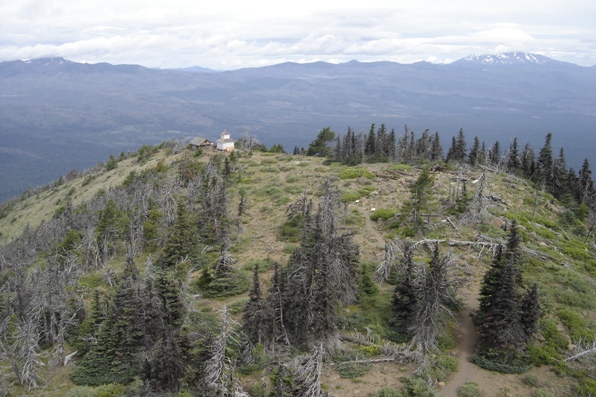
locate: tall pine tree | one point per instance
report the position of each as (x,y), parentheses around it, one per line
(507,316)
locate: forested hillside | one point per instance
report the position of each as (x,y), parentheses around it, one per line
(364,264)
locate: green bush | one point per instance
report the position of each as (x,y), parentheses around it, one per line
(515,365)
(352,370)
(291,230)
(545,233)
(356,172)
(265,264)
(552,336)
(235,282)
(382,213)
(349,196)
(293,189)
(531,380)
(577,325)
(399,167)
(370,351)
(109,390)
(544,355)
(258,391)
(586,387)
(91,281)
(82,391)
(579,254)
(417,387)
(470,389)
(440,367)
(572,298)
(388,392)
(355,218)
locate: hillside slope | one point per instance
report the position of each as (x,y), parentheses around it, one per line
(132,207)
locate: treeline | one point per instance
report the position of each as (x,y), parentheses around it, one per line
(546,169)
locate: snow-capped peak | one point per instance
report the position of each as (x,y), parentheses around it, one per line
(507,58)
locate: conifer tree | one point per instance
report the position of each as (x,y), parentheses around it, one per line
(323,317)
(452,152)
(495,154)
(114,358)
(436,148)
(474,152)
(274,310)
(322,273)
(545,164)
(507,317)
(586,184)
(181,244)
(460,152)
(382,148)
(421,192)
(527,161)
(390,150)
(530,307)
(319,147)
(370,147)
(113,223)
(513,162)
(254,312)
(404,302)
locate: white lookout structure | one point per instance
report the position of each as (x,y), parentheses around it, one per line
(225,143)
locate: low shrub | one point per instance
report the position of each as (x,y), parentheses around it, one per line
(355,173)
(388,392)
(382,213)
(577,325)
(470,389)
(586,387)
(531,380)
(440,368)
(573,298)
(352,370)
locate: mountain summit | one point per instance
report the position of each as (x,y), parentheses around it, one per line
(507,59)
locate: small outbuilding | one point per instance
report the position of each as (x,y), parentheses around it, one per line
(225,143)
(200,143)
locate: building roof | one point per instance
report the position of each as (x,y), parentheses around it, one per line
(198,141)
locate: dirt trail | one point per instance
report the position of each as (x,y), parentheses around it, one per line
(372,239)
(466,344)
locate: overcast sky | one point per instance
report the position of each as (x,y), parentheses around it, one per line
(228,34)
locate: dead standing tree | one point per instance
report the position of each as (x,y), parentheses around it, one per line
(220,369)
(478,208)
(436,299)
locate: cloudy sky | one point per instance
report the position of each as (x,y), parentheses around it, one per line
(230,34)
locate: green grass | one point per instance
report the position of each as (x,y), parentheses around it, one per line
(356,172)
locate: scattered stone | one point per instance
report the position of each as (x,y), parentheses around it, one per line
(441,384)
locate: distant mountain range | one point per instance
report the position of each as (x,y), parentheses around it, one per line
(56,115)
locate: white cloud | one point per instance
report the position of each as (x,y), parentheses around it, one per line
(228,34)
